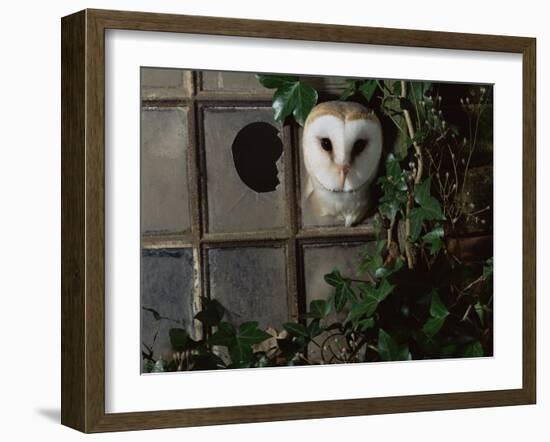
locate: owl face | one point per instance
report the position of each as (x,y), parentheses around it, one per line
(342,145)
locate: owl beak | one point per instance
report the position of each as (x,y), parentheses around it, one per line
(343,174)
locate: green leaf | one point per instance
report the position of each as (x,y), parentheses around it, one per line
(314,328)
(437,308)
(488,268)
(432,326)
(368,88)
(225,335)
(372,296)
(390,350)
(430,205)
(416,218)
(319,308)
(295,98)
(419,89)
(340,299)
(158,367)
(422,191)
(241,355)
(370,262)
(439,313)
(250,334)
(435,239)
(178,339)
(393,168)
(365,324)
(275,81)
(212,312)
(389,209)
(296,329)
(383,290)
(432,209)
(334,278)
(480,312)
(349,90)
(474,350)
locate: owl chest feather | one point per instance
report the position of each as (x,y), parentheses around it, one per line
(347,206)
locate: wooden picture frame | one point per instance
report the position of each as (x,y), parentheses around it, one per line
(83,220)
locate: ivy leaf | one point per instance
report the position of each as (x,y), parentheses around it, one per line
(435,239)
(422,191)
(250,334)
(319,309)
(430,205)
(389,209)
(314,328)
(437,308)
(158,367)
(432,209)
(225,335)
(340,300)
(416,218)
(432,326)
(488,268)
(393,168)
(383,290)
(178,339)
(474,350)
(370,262)
(480,311)
(372,296)
(365,324)
(438,313)
(390,350)
(368,88)
(334,278)
(419,89)
(212,312)
(275,81)
(349,90)
(296,98)
(295,329)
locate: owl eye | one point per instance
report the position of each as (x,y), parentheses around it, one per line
(359,147)
(326,144)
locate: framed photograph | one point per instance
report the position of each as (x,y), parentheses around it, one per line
(266,221)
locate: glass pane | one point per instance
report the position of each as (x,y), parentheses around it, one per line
(166,297)
(244,170)
(232,82)
(162,84)
(164,192)
(251,284)
(318,261)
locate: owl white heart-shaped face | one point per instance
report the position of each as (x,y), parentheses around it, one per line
(342,145)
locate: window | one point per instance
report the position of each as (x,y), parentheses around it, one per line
(221,217)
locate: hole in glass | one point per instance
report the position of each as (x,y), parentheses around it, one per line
(256,149)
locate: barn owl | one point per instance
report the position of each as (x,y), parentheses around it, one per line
(342,145)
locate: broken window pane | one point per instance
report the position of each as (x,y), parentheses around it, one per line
(244,170)
(251,284)
(162,84)
(167,295)
(164,192)
(318,261)
(215,81)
